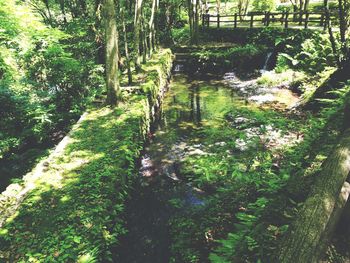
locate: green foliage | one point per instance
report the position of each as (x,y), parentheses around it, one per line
(260,227)
(271,79)
(75,211)
(314,56)
(267,5)
(47,78)
(246,58)
(181,35)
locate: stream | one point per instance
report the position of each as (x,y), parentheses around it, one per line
(191,107)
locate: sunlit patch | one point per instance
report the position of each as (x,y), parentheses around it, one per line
(65,198)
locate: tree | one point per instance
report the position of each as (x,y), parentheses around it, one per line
(314,226)
(126,46)
(342,55)
(137,31)
(193,16)
(113,91)
(242,7)
(311,232)
(151,24)
(344,10)
(267,5)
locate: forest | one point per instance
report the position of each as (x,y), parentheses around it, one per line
(170,131)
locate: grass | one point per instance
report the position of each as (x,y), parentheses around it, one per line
(271,78)
(74,213)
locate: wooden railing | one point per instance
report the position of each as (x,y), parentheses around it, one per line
(283,19)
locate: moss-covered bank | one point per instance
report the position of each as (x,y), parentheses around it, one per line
(72,205)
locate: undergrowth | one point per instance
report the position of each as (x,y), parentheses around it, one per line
(75,211)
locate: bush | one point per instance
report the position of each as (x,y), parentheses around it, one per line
(314,56)
(47,77)
(267,5)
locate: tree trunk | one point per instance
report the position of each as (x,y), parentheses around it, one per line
(312,229)
(63,11)
(196,22)
(295,10)
(48,11)
(301,5)
(218,7)
(144,40)
(152,27)
(137,29)
(246,7)
(126,47)
(306,5)
(193,15)
(190,17)
(111,52)
(343,28)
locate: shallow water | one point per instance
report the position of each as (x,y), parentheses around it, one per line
(190,107)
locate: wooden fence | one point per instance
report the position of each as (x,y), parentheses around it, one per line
(258,19)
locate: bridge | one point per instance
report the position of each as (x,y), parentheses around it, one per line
(314,20)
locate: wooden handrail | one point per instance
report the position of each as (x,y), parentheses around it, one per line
(266,18)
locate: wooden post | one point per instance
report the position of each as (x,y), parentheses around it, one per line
(322,20)
(251,20)
(286,19)
(218,20)
(208,20)
(301,13)
(326,21)
(236,17)
(268,18)
(282,18)
(203,20)
(306,19)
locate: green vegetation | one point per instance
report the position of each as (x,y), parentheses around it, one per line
(75,211)
(46,81)
(226,161)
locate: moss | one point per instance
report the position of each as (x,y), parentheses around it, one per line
(75,210)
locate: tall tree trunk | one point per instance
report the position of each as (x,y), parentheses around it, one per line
(193,15)
(63,11)
(113,91)
(330,31)
(301,9)
(295,9)
(48,11)
(196,22)
(137,31)
(306,5)
(126,47)
(144,40)
(152,27)
(101,52)
(218,7)
(343,27)
(246,7)
(155,39)
(190,17)
(315,223)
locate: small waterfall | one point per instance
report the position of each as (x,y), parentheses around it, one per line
(179,68)
(266,64)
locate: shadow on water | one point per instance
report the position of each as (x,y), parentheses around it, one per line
(160,191)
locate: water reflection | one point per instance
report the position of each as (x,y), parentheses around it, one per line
(195,100)
(189,107)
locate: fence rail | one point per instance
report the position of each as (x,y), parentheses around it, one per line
(284,19)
